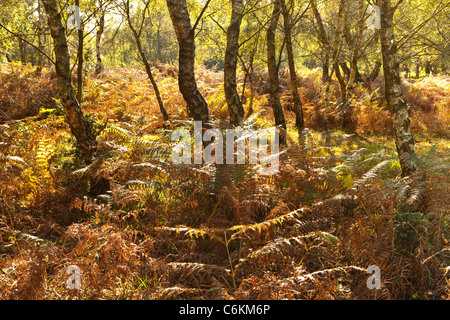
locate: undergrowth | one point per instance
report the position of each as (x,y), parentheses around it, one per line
(161,231)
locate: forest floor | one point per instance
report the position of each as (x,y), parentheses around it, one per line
(154,230)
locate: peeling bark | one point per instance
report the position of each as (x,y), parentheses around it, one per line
(98,40)
(80,64)
(393,92)
(235,107)
(185,33)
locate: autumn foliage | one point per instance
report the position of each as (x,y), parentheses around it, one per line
(153,230)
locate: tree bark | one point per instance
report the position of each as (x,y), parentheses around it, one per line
(273,69)
(347,122)
(393,92)
(250,72)
(79,126)
(342,84)
(80,64)
(324,40)
(299,122)
(40,44)
(326,67)
(348,125)
(374,73)
(417,70)
(98,40)
(252,83)
(23,51)
(235,107)
(428,67)
(185,33)
(357,45)
(159,42)
(327,73)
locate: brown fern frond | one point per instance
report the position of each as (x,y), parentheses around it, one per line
(302,227)
(175,292)
(265,226)
(328,273)
(193,233)
(371,174)
(276,250)
(306,283)
(188,293)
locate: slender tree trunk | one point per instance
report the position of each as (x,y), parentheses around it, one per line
(342,85)
(273,69)
(181,21)
(235,107)
(299,122)
(358,77)
(417,70)
(159,44)
(79,127)
(427,67)
(338,35)
(98,40)
(357,45)
(348,124)
(148,70)
(23,52)
(326,67)
(324,41)
(374,73)
(252,84)
(40,44)
(327,107)
(393,92)
(327,74)
(80,59)
(249,74)
(80,64)
(244,86)
(345,69)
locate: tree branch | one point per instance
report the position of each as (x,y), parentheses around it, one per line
(200,16)
(27,42)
